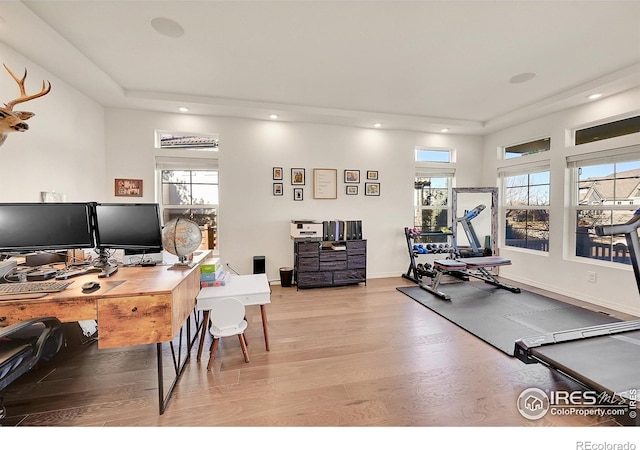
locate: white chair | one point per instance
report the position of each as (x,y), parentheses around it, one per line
(227,319)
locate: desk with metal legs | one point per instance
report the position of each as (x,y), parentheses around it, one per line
(134,306)
(249,289)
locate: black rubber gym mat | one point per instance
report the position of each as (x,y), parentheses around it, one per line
(500,317)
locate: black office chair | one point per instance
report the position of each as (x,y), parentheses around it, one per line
(25,343)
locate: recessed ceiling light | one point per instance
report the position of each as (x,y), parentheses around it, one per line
(183,109)
(595,96)
(273,116)
(444,130)
(167,27)
(377,125)
(522,77)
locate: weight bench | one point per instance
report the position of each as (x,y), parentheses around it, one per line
(478,267)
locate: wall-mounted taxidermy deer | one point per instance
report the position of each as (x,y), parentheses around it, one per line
(11,120)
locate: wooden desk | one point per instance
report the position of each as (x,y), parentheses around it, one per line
(134,306)
(249,289)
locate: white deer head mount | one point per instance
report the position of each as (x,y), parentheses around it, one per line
(11,120)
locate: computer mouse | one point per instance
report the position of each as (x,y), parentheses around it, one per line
(90,286)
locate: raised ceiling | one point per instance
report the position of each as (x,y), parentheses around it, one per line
(470,66)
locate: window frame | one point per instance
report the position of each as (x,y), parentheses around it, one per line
(449,151)
(607,156)
(522,170)
(434,169)
(192,160)
(525,144)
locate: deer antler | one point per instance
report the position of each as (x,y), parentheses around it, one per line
(23,95)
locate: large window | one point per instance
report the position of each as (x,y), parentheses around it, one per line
(192,194)
(606,192)
(526,206)
(432,192)
(187,180)
(432,202)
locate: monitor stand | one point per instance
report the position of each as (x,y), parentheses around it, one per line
(106,268)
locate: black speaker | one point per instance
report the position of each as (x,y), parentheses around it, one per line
(259,264)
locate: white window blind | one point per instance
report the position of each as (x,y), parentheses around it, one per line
(609,156)
(176,163)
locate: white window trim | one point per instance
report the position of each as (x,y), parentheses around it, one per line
(573,162)
(520,168)
(186,163)
(428,171)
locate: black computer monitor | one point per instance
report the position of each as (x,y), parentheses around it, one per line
(126,226)
(29,227)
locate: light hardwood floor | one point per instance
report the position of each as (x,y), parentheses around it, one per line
(364,355)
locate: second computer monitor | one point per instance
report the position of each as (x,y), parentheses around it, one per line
(128,226)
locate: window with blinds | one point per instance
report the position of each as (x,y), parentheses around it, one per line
(433,182)
(188,185)
(605,191)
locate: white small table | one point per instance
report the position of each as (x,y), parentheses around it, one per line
(249,289)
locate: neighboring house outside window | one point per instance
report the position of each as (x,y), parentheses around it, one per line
(606,193)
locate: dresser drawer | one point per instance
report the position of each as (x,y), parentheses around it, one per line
(308,248)
(144,320)
(308,264)
(314,279)
(349,276)
(333,255)
(356,247)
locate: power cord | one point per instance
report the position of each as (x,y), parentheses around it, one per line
(232,269)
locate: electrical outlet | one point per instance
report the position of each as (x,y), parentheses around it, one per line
(592,277)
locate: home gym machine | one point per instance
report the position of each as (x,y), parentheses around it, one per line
(476,267)
(605,358)
(465,262)
(443,241)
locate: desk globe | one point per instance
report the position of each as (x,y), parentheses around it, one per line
(181,237)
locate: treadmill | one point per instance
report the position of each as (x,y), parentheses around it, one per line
(604,358)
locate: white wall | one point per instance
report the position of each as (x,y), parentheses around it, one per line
(559,271)
(64,149)
(77,148)
(252,221)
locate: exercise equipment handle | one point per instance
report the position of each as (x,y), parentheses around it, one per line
(623,228)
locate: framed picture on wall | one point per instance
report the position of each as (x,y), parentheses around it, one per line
(277,189)
(325,183)
(277,173)
(298,194)
(352,190)
(372,174)
(297,176)
(372,189)
(351,176)
(125,187)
